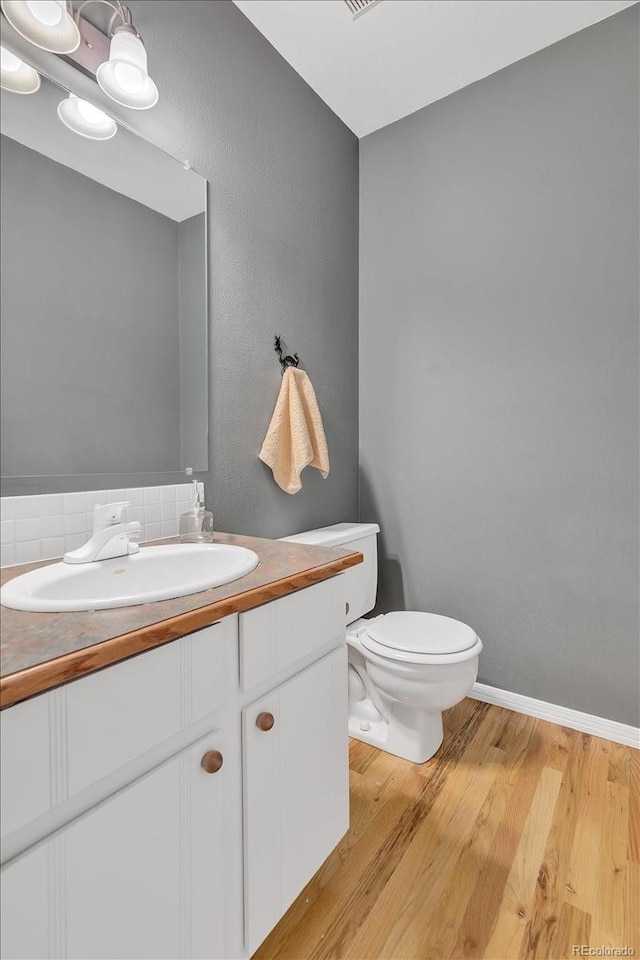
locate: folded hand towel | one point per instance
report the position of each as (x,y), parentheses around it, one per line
(295,438)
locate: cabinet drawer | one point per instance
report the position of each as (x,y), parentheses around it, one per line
(277,634)
(68,739)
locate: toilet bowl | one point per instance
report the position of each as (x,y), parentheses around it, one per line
(405,667)
(408,688)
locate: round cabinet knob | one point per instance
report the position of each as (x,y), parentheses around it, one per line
(265,721)
(212,761)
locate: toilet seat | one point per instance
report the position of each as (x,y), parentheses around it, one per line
(416,637)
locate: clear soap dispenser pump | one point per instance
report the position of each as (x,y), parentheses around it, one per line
(196,526)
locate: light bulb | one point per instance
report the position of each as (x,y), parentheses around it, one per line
(16,76)
(130,78)
(124,77)
(46,23)
(90,113)
(85,119)
(48,12)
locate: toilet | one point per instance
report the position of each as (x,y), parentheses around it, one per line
(405,667)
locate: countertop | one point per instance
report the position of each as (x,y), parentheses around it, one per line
(39,651)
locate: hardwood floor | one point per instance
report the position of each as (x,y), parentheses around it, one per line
(520,839)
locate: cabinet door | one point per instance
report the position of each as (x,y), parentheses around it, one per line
(296,788)
(140,875)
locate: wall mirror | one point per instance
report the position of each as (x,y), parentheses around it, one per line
(104,302)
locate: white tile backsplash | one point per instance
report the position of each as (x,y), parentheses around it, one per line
(167,494)
(7,531)
(45,527)
(7,554)
(52,526)
(49,504)
(74,502)
(169,528)
(7,509)
(153,531)
(27,507)
(168,510)
(152,494)
(52,547)
(75,523)
(152,512)
(28,529)
(28,552)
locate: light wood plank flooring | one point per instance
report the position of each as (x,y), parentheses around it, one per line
(520,839)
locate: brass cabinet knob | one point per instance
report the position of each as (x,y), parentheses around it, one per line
(212,761)
(265,721)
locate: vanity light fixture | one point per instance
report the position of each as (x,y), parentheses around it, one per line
(122,74)
(85,119)
(16,75)
(124,77)
(118,58)
(49,24)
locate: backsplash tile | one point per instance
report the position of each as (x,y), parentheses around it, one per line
(28,529)
(45,527)
(76,523)
(74,502)
(28,552)
(7,531)
(7,554)
(52,526)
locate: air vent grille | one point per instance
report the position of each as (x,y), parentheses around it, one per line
(359,7)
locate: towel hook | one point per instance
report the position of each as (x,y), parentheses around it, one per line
(285,361)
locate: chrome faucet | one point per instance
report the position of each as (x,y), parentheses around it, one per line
(111,536)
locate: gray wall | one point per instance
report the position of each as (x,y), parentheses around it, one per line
(192,272)
(499,366)
(283,240)
(90,335)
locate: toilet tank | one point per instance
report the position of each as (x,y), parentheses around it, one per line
(361,581)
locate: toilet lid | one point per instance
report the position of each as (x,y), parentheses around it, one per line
(416,632)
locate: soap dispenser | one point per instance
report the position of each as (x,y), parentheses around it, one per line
(196,526)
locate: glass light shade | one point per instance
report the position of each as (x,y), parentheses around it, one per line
(124,77)
(16,75)
(85,119)
(45,23)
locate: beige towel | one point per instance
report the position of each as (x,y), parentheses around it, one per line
(295,438)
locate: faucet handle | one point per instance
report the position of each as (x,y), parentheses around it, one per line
(107,514)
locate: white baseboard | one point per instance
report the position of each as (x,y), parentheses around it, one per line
(575,719)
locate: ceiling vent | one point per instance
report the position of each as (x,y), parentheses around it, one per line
(358,7)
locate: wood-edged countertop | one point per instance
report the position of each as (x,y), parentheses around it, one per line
(39,651)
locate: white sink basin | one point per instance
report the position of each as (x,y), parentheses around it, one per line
(155,573)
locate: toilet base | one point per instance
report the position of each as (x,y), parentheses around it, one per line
(409,734)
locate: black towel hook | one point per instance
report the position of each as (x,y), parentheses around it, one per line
(285,361)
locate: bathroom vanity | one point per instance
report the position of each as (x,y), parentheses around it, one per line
(169,789)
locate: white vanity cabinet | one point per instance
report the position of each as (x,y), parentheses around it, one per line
(174,804)
(138,875)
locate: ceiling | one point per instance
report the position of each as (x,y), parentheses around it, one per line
(400,55)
